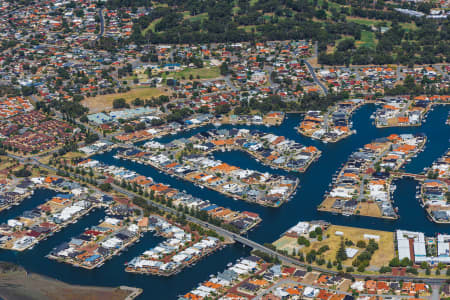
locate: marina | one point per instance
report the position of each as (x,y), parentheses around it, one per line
(96,245)
(314,183)
(249,185)
(183,247)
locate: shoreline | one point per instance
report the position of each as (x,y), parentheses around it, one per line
(17,283)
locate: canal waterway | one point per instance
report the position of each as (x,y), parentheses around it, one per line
(313,185)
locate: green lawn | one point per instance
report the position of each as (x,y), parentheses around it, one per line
(368,22)
(151,26)
(408,26)
(247,28)
(367,39)
(204,73)
(199,17)
(373,22)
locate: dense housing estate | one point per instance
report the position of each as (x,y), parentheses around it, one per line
(169,84)
(99,243)
(238,221)
(434,193)
(32,226)
(181,249)
(248,185)
(363,185)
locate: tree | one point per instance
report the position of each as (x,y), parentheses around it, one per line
(346,44)
(303,241)
(120,103)
(361,244)
(84,119)
(223,109)
(140,126)
(224,70)
(23,172)
(91,138)
(406,262)
(106,187)
(138,102)
(128,128)
(385,269)
(341,255)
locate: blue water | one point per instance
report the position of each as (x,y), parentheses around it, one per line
(39,197)
(313,184)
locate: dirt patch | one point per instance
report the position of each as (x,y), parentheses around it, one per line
(105,102)
(17,284)
(287,243)
(327,204)
(369,209)
(310,278)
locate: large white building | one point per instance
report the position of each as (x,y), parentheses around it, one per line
(412,245)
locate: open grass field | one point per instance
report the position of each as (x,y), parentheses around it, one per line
(248,28)
(379,258)
(362,21)
(374,22)
(367,39)
(203,73)
(199,17)
(151,26)
(408,26)
(186,16)
(105,102)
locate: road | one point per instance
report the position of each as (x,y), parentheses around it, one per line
(273,85)
(316,80)
(436,291)
(257,246)
(230,84)
(102,23)
(311,69)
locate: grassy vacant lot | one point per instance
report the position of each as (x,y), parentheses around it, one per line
(204,73)
(105,102)
(369,209)
(380,258)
